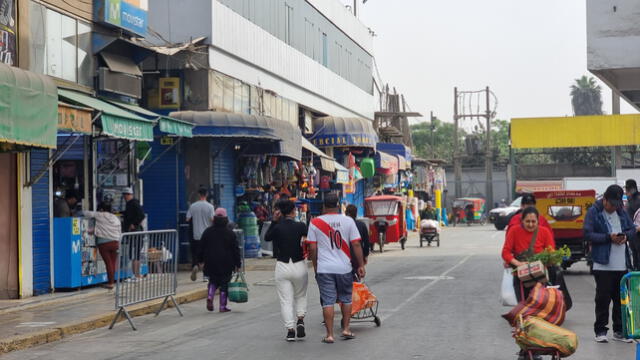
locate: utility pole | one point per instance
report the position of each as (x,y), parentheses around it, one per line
(489,156)
(431,144)
(457,167)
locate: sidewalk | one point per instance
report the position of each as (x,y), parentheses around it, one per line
(28,322)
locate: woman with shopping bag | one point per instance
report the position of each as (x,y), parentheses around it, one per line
(221,257)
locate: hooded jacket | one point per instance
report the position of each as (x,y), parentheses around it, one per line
(596,231)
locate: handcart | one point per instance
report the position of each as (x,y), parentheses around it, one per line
(533,352)
(364,305)
(630,301)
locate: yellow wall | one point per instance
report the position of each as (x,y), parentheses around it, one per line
(576,131)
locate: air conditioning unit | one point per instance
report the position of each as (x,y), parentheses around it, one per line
(119,83)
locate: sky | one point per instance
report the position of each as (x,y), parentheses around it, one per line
(527,52)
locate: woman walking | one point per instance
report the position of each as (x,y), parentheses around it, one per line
(221,257)
(288,237)
(107,232)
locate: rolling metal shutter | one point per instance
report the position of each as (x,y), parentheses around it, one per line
(223,175)
(41,225)
(76,151)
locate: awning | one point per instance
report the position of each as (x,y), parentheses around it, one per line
(326,162)
(343,132)
(170,51)
(74,118)
(342,174)
(117,45)
(167,124)
(386,164)
(402,163)
(28,108)
(121,64)
(232,125)
(397,149)
(116,122)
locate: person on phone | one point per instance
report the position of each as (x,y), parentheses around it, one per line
(609,229)
(288,236)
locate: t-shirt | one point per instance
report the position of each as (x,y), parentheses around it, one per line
(201,214)
(617,257)
(333,234)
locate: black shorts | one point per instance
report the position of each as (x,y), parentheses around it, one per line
(135,248)
(196,252)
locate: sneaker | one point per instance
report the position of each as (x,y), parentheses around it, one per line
(205,279)
(194,273)
(300,329)
(617,336)
(602,338)
(291,335)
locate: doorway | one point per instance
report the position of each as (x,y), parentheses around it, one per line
(197,155)
(9,286)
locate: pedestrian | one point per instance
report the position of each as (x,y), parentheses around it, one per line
(331,237)
(132,221)
(428,213)
(524,241)
(107,232)
(609,230)
(288,237)
(221,257)
(200,214)
(363,230)
(633,204)
(528,200)
(65,207)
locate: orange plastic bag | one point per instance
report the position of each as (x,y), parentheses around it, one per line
(362,298)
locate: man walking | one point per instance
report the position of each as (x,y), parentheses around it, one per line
(200,214)
(609,229)
(132,221)
(331,238)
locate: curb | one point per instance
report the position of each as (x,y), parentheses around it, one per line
(25,341)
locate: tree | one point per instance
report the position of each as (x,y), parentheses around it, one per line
(436,142)
(586,97)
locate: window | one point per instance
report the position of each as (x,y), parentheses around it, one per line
(227,102)
(60,46)
(237,96)
(246,99)
(217,90)
(324,49)
(288,24)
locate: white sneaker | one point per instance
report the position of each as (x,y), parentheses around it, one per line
(602,338)
(617,336)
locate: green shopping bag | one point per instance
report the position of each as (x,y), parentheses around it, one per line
(238,289)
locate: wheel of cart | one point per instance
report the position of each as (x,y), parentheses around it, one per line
(365,305)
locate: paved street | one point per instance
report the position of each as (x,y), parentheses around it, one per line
(436,303)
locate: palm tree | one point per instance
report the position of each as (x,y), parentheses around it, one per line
(586,97)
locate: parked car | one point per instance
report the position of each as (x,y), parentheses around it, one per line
(501,216)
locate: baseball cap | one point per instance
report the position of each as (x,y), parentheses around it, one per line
(127,190)
(221,212)
(528,199)
(613,194)
(331,200)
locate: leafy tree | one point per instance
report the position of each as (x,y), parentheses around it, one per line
(586,96)
(436,142)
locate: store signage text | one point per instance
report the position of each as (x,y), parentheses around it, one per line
(74,119)
(123,14)
(344,140)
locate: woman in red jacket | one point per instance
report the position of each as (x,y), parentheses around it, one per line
(516,247)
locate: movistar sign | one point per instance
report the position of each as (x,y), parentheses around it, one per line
(123,14)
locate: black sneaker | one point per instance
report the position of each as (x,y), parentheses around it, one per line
(291,335)
(300,328)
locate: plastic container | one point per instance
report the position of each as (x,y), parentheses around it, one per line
(248,222)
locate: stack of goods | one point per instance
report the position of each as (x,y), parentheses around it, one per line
(248,222)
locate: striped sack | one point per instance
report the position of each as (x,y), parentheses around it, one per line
(537,333)
(543,302)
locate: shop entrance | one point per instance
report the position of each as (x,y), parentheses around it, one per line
(197,154)
(9,287)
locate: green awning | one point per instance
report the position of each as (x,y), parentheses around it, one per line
(166,124)
(28,108)
(116,122)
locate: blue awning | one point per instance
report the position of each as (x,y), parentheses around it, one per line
(343,132)
(396,149)
(232,125)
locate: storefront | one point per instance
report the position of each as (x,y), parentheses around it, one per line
(28,124)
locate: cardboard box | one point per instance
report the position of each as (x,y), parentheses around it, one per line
(533,272)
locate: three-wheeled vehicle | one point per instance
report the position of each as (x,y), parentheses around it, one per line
(565,210)
(469,210)
(387,220)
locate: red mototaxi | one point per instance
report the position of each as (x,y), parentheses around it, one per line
(387,220)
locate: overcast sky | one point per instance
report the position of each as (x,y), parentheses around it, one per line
(528,52)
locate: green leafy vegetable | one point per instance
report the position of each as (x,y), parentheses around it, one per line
(551,257)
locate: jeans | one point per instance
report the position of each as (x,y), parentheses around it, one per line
(291,285)
(607,291)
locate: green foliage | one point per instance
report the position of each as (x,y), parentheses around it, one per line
(586,96)
(551,257)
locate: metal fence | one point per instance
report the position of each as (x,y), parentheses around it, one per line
(146,269)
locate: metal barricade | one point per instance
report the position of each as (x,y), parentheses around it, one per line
(146,269)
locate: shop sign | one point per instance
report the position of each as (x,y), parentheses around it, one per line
(129,15)
(166,140)
(76,120)
(127,129)
(8,54)
(364,140)
(342,177)
(175,127)
(169,93)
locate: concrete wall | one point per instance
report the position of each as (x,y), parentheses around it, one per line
(613,34)
(473,185)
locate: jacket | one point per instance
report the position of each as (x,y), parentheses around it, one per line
(107,225)
(133,215)
(220,249)
(519,240)
(596,231)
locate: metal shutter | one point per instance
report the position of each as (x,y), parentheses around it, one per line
(76,151)
(41,224)
(223,175)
